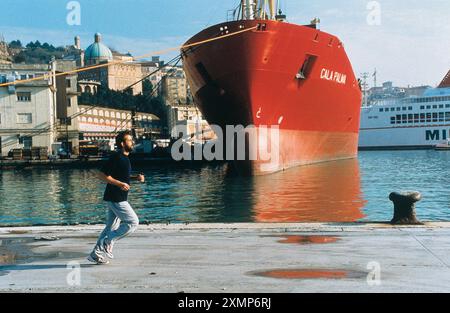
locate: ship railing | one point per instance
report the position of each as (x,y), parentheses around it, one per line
(384,102)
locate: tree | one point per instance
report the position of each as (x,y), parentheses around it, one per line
(19,59)
(15,44)
(147,87)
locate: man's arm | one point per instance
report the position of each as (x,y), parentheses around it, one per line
(109,180)
(139,178)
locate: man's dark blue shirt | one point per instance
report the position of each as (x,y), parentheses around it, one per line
(118,167)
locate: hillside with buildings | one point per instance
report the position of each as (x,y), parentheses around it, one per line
(91,106)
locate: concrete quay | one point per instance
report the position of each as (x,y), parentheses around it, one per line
(231,258)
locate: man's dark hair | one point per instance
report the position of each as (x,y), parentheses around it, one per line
(121,138)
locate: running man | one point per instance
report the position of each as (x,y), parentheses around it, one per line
(122,220)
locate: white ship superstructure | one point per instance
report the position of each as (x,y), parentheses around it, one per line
(411,123)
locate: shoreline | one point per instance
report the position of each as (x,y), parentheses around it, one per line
(307,226)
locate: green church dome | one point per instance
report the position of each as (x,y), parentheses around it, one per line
(97,52)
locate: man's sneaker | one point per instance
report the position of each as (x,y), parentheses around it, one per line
(97,259)
(107,248)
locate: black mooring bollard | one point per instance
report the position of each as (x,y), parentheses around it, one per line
(405,208)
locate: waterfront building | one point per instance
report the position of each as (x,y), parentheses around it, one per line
(390,92)
(27,110)
(151,70)
(98,123)
(174,87)
(181,109)
(67,108)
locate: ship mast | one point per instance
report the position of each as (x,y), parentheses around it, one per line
(248,9)
(256,9)
(272,9)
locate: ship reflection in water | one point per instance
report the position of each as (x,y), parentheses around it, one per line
(327,192)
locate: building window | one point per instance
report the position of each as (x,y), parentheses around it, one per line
(26,141)
(68,83)
(24,96)
(24,118)
(422,107)
(69,102)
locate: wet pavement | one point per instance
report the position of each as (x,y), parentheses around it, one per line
(231,258)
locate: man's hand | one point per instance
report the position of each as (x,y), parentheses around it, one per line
(141,178)
(124,187)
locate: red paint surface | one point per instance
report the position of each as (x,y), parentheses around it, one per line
(250,80)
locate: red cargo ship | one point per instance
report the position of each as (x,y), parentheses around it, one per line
(278,74)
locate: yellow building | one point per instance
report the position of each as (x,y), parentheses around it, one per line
(116,76)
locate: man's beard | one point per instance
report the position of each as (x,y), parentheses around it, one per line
(128,149)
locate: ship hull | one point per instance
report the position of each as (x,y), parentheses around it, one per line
(251,79)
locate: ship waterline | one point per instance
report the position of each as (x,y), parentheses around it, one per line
(281,149)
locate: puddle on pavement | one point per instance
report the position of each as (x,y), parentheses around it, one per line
(15,251)
(306,240)
(310,274)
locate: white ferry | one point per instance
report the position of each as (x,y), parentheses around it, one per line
(411,123)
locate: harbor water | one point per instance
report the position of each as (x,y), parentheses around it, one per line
(341,191)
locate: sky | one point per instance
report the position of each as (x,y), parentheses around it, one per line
(407,41)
